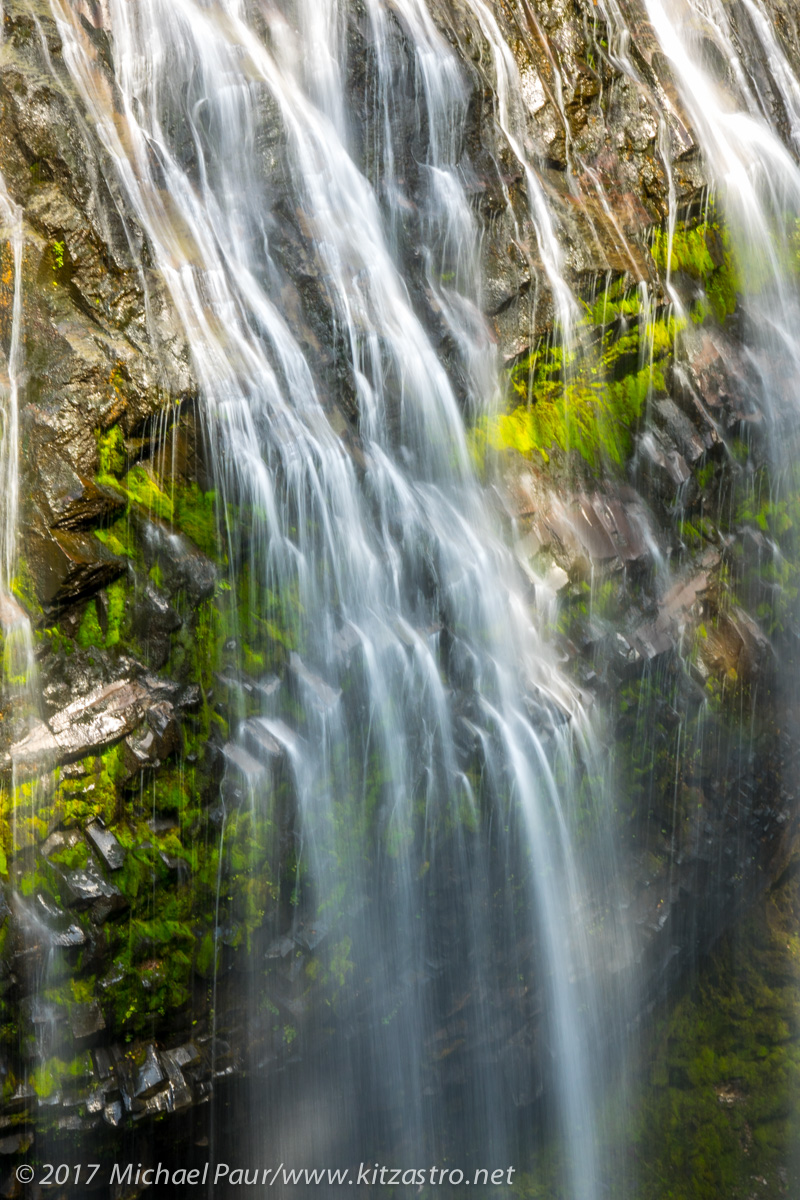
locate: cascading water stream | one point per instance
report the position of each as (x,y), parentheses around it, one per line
(757,176)
(19,664)
(433,748)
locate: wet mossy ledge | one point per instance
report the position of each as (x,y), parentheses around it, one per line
(137,879)
(584,406)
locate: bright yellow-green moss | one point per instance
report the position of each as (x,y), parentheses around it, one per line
(143,489)
(589,402)
(111,454)
(704,253)
(90,633)
(117,593)
(589,399)
(119,539)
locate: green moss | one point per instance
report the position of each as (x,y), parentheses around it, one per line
(89,632)
(143,489)
(117,594)
(195,514)
(74,857)
(770,581)
(24,587)
(119,539)
(702,251)
(111,454)
(722,1104)
(588,402)
(205,958)
(96,794)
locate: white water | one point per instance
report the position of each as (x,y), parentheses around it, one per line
(435,758)
(18,661)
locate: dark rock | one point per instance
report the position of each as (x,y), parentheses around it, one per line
(681,431)
(66,677)
(113,1113)
(106,845)
(154,620)
(259,741)
(280,947)
(88,724)
(190,698)
(86,1020)
(84,888)
(248,769)
(180,1093)
(155,741)
(68,566)
(186,1056)
(309,937)
(269,686)
(151,1076)
(68,500)
(70,938)
(183,566)
(103,1062)
(662,452)
(161,825)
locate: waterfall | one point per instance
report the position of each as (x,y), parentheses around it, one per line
(437,758)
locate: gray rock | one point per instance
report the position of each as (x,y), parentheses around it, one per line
(153,621)
(114,1113)
(154,741)
(243,765)
(106,845)
(183,566)
(86,1020)
(151,1076)
(103,1062)
(68,566)
(186,1055)
(681,430)
(70,938)
(84,888)
(180,1093)
(68,500)
(259,741)
(88,724)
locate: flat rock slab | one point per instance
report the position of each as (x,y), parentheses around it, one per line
(106,845)
(83,888)
(89,724)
